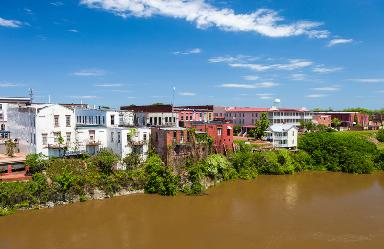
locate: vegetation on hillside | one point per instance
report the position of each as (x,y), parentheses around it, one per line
(66,180)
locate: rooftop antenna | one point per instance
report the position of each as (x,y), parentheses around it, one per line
(30,94)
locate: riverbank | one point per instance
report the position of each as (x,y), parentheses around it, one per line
(62,181)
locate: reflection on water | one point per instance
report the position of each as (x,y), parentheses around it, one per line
(312,210)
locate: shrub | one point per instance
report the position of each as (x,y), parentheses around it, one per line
(160,178)
(36,162)
(105,160)
(132,160)
(380,135)
(302,161)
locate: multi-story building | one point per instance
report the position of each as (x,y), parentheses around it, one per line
(348,119)
(221,133)
(154,115)
(45,128)
(4,103)
(321,119)
(282,135)
(194,113)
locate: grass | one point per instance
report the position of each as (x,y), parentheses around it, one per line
(367,134)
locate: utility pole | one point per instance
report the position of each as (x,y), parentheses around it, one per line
(173,104)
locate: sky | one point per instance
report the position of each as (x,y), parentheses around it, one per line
(324,53)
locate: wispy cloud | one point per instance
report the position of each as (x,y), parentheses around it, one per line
(120,91)
(73,30)
(338,41)
(251,77)
(232,59)
(250,86)
(10,23)
(316,96)
(298,76)
(8,85)
(323,69)
(90,72)
(84,97)
(58,3)
(369,80)
(187,94)
(263,21)
(292,64)
(188,52)
(327,88)
(109,85)
(264,95)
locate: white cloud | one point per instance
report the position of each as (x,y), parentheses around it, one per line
(120,91)
(84,97)
(58,3)
(7,84)
(298,76)
(263,21)
(187,94)
(188,52)
(323,69)
(334,42)
(109,85)
(264,95)
(293,64)
(90,72)
(251,77)
(369,80)
(73,30)
(249,86)
(10,23)
(232,59)
(327,88)
(316,96)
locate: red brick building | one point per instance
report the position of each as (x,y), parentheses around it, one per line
(221,132)
(348,119)
(321,119)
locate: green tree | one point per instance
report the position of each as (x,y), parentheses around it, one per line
(60,141)
(10,147)
(36,162)
(105,160)
(236,130)
(336,122)
(132,160)
(261,125)
(380,135)
(160,178)
(355,119)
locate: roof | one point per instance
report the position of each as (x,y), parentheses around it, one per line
(205,108)
(24,100)
(148,108)
(172,129)
(255,109)
(281,127)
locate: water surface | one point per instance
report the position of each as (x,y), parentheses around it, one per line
(311,210)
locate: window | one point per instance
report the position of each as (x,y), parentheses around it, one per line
(1,107)
(118,137)
(155,121)
(112,135)
(228,132)
(159,120)
(174,120)
(56,136)
(219,131)
(68,135)
(103,120)
(150,121)
(166,119)
(112,119)
(99,120)
(181,137)
(145,136)
(1,116)
(44,138)
(56,118)
(68,120)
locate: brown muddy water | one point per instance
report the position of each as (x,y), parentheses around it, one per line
(311,210)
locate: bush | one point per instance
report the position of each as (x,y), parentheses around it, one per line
(132,160)
(160,178)
(339,151)
(105,160)
(302,161)
(36,162)
(380,135)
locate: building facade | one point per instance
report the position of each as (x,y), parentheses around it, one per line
(188,114)
(349,119)
(282,136)
(321,119)
(5,102)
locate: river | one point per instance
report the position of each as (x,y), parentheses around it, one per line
(310,210)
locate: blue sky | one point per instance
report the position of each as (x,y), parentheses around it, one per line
(326,53)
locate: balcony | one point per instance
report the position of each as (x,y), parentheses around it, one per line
(92,143)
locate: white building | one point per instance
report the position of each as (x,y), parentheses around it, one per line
(38,128)
(5,102)
(282,135)
(157,119)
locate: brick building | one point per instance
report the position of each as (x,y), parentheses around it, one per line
(200,113)
(221,132)
(321,119)
(348,119)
